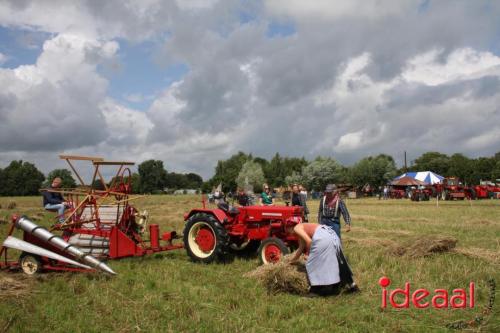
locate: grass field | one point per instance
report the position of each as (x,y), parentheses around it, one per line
(168,293)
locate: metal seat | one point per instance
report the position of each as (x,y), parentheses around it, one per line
(231,210)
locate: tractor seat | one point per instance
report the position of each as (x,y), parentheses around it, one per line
(231,210)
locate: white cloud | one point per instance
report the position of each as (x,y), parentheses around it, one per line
(455,115)
(195,4)
(339,9)
(54,104)
(126,126)
(461,64)
(355,79)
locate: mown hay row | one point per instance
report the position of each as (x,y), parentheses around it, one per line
(424,246)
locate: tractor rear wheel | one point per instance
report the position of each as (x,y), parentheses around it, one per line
(272,250)
(30,263)
(205,239)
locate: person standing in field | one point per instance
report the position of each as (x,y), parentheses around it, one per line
(299,199)
(242,197)
(330,208)
(327,268)
(266,197)
(54,201)
(303,191)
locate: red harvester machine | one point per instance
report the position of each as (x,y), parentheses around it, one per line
(210,234)
(100,222)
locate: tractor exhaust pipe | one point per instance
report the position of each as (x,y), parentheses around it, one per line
(26,225)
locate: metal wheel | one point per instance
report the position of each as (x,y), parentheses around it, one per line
(30,263)
(272,250)
(201,239)
(205,239)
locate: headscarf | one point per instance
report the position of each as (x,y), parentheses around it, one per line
(331,201)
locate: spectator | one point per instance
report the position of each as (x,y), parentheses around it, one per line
(303,191)
(266,197)
(386,192)
(299,199)
(242,197)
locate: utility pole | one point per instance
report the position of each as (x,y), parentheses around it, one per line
(406,166)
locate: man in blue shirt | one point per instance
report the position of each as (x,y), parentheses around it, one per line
(54,201)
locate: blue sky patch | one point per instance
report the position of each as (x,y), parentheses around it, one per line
(21,46)
(138,79)
(280,29)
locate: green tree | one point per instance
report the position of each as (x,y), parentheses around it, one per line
(460,166)
(136,183)
(262,161)
(322,171)
(20,178)
(98,185)
(226,171)
(152,176)
(67,179)
(194,180)
(294,178)
(376,171)
(251,174)
(432,161)
(495,173)
(279,168)
(481,169)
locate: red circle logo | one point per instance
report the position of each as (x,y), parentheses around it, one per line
(384,281)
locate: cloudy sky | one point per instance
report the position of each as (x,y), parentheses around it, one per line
(191,82)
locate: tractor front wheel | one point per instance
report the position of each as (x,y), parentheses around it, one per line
(272,250)
(30,263)
(205,239)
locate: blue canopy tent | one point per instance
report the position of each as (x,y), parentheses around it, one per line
(428,177)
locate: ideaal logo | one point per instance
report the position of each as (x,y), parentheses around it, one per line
(422,298)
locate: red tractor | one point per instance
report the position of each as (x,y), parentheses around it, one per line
(210,234)
(451,188)
(486,190)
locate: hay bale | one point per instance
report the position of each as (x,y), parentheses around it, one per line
(282,277)
(424,246)
(11,205)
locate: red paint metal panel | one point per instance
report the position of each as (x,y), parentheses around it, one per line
(154,235)
(121,246)
(219,214)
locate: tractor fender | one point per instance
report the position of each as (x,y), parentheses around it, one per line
(219,214)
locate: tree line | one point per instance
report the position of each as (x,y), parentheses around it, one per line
(243,169)
(21,178)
